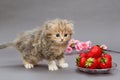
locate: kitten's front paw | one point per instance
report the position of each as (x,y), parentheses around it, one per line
(29,66)
(63,65)
(52,67)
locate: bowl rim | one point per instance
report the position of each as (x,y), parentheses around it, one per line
(114,65)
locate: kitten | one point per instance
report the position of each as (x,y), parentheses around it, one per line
(48,42)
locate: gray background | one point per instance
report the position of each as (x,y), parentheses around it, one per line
(95,20)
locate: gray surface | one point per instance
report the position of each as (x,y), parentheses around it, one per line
(95,20)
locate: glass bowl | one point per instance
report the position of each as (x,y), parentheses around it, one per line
(107,70)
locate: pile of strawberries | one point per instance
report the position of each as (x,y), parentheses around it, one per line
(95,58)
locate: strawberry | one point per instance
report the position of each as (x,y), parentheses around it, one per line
(91,63)
(106,55)
(95,52)
(105,62)
(95,58)
(82,62)
(83,54)
(99,60)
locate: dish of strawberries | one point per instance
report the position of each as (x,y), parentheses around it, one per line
(95,60)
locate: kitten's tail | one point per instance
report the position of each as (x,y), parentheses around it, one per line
(5,45)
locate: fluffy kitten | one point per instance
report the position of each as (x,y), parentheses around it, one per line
(48,42)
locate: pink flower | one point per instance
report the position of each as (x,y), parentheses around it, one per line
(103,46)
(76,41)
(71,40)
(89,44)
(84,45)
(69,49)
(78,47)
(72,43)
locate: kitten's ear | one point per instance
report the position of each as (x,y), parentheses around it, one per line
(47,25)
(70,23)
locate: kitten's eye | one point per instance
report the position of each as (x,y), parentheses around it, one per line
(65,35)
(57,35)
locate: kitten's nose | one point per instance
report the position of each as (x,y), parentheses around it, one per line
(61,39)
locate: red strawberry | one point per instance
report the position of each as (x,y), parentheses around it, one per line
(90,54)
(81,62)
(95,52)
(105,62)
(106,55)
(83,54)
(99,60)
(91,63)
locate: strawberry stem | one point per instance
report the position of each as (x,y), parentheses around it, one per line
(103,60)
(89,62)
(77,60)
